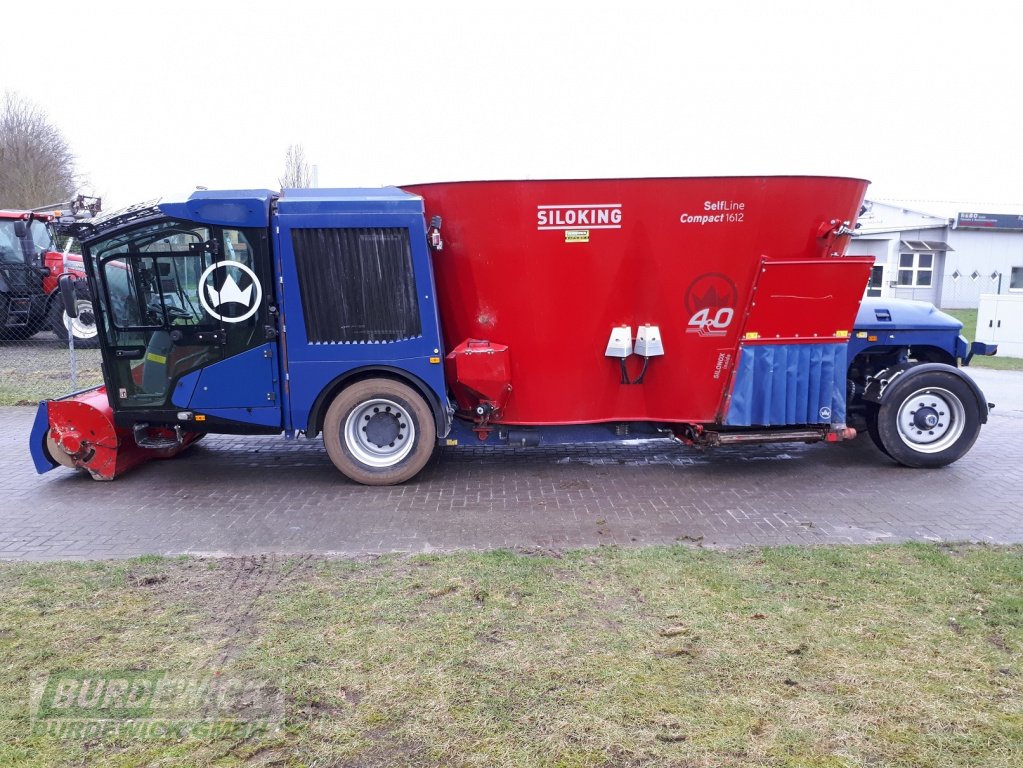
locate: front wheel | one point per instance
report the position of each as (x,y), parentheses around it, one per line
(928,420)
(379,432)
(83,327)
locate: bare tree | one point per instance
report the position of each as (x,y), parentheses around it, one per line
(37,166)
(296,169)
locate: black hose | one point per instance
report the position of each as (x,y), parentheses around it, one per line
(642,373)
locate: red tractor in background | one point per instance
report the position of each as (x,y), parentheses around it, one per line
(30,266)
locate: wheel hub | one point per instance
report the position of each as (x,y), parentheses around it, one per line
(382,428)
(926,418)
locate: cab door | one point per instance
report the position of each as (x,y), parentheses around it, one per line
(189,324)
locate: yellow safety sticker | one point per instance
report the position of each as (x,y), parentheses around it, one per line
(577,235)
(155,358)
(452,442)
(751,335)
(842,334)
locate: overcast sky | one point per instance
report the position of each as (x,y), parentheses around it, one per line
(920,98)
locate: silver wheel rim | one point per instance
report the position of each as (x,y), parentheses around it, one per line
(931,420)
(379,433)
(76,327)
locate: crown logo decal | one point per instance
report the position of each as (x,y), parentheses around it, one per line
(213,300)
(229,293)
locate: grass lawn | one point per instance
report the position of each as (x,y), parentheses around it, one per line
(41,385)
(968,317)
(34,370)
(846,656)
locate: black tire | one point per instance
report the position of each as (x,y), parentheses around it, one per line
(18,333)
(379,432)
(84,326)
(872,430)
(928,420)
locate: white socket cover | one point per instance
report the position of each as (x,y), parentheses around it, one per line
(620,343)
(648,341)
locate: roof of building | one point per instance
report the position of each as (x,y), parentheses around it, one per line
(948,209)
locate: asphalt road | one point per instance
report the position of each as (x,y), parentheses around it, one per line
(232,495)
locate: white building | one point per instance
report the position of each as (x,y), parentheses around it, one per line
(947,258)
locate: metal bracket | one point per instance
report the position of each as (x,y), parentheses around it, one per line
(142,440)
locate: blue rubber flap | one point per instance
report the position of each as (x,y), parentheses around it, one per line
(778,384)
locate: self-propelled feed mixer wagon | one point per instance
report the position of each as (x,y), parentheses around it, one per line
(706,310)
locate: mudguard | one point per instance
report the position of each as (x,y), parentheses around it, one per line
(37,440)
(880,385)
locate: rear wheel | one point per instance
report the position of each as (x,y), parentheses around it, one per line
(928,420)
(872,430)
(18,333)
(379,432)
(83,327)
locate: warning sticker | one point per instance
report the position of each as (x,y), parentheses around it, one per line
(577,235)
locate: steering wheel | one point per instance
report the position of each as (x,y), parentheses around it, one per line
(154,314)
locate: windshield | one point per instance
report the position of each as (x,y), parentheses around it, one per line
(42,240)
(10,247)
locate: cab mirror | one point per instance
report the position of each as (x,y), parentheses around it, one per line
(20,229)
(67,295)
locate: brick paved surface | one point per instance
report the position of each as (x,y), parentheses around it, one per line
(254,495)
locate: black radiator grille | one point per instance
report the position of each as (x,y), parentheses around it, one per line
(357,284)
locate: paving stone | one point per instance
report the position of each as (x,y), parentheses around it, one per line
(249,495)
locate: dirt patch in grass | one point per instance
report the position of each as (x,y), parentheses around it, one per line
(907,655)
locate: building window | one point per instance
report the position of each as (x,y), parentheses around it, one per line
(1016,279)
(915,269)
(876,278)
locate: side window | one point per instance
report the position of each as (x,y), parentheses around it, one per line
(10,252)
(155,291)
(126,310)
(41,238)
(151,282)
(179,296)
(230,289)
(184,278)
(238,248)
